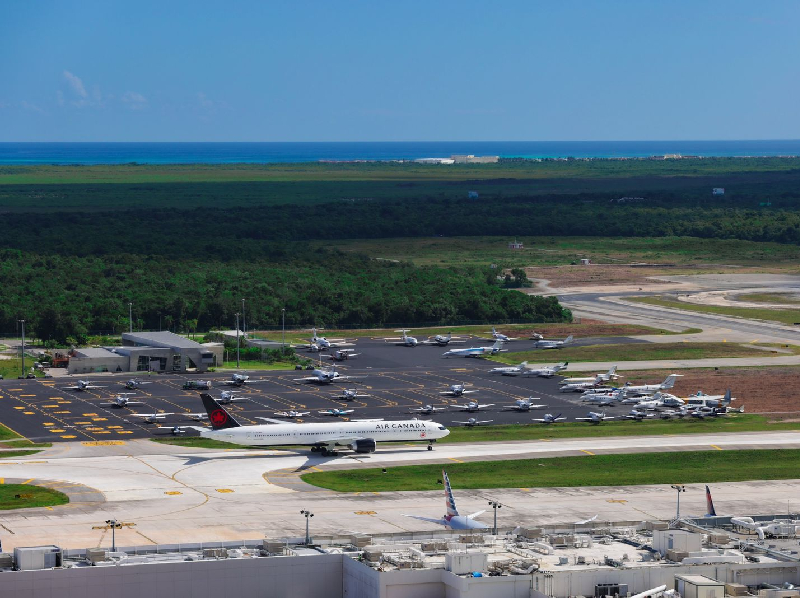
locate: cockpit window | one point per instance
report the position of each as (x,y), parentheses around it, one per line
(442,428)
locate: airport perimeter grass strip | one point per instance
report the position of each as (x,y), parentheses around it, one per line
(734,423)
(572,471)
(787,317)
(12,453)
(628,352)
(30,496)
(11,439)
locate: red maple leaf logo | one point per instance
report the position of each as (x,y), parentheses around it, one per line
(218,417)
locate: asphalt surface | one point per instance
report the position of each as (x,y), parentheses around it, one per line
(396,378)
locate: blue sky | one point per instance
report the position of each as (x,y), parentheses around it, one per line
(380,71)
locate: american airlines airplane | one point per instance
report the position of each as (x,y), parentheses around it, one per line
(451,519)
(360,436)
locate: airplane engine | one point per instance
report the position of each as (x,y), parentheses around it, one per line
(363,446)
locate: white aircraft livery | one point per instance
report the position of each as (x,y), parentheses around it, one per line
(361,436)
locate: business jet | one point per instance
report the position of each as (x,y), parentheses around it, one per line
(441,340)
(321,376)
(517,370)
(476,352)
(600,377)
(451,518)
(405,340)
(544,371)
(336,412)
(636,415)
(472,422)
(524,405)
(152,417)
(549,344)
(318,344)
(496,335)
(457,390)
(659,401)
(701,399)
(350,395)
(82,386)
(291,414)
(426,410)
(135,384)
(172,430)
(550,419)
(595,418)
(582,386)
(470,406)
(361,436)
(239,380)
(196,416)
(605,397)
(121,401)
(227,397)
(641,390)
(340,355)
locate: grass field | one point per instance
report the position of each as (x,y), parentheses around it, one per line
(10,439)
(787,317)
(625,352)
(572,471)
(776,298)
(12,453)
(257,365)
(11,368)
(30,496)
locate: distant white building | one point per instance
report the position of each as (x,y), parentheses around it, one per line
(435,161)
(471,158)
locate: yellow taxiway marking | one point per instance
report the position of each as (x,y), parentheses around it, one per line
(27,482)
(65,401)
(754,341)
(455,460)
(545,440)
(19,407)
(365,512)
(315,469)
(68,437)
(60,412)
(716,447)
(27,395)
(173,493)
(2,480)
(48,424)
(99,419)
(617,501)
(49,405)
(225,491)
(89,414)
(525,489)
(56,397)
(587,452)
(15,390)
(27,412)
(57,430)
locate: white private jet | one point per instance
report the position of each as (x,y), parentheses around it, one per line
(227,397)
(510,370)
(472,422)
(195,416)
(291,414)
(470,406)
(667,384)
(457,390)
(361,436)
(549,344)
(121,401)
(550,419)
(135,384)
(636,415)
(152,417)
(701,399)
(544,371)
(318,344)
(349,395)
(426,410)
(172,430)
(606,397)
(239,380)
(582,386)
(451,518)
(321,376)
(525,405)
(441,340)
(340,355)
(336,412)
(476,352)
(600,377)
(496,335)
(659,401)
(594,418)
(82,386)
(405,340)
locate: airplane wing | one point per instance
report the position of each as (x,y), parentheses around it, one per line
(152,416)
(532,406)
(485,405)
(460,406)
(585,521)
(609,418)
(464,422)
(268,420)
(95,387)
(308,379)
(584,419)
(480,422)
(195,427)
(428,519)
(477,514)
(347,412)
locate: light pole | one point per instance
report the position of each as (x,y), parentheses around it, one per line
(237,340)
(495,505)
(244,326)
(114,524)
(283,329)
(307,514)
(679,489)
(130,317)
(23,346)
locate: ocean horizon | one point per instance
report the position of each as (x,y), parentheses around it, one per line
(99,153)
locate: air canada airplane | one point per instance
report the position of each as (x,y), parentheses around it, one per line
(451,518)
(476,352)
(361,436)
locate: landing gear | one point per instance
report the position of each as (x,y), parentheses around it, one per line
(316,449)
(430,447)
(326,452)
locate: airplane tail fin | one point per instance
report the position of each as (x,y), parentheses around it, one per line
(710,504)
(523,364)
(448,496)
(564,366)
(669,382)
(219,417)
(727,399)
(497,345)
(568,340)
(611,372)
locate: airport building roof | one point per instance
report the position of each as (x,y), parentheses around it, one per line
(160,339)
(95,353)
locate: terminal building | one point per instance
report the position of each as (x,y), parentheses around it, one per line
(153,351)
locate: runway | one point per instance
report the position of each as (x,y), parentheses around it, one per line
(175,494)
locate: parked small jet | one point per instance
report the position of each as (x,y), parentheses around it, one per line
(659,401)
(524,405)
(701,399)
(172,430)
(544,371)
(82,386)
(318,343)
(667,384)
(550,419)
(595,418)
(239,380)
(451,518)
(291,414)
(349,395)
(496,335)
(135,384)
(470,406)
(427,409)
(336,412)
(457,390)
(441,340)
(152,417)
(322,376)
(227,397)
(582,386)
(600,377)
(547,344)
(196,416)
(197,384)
(472,422)
(510,370)
(636,415)
(476,352)
(121,401)
(405,340)
(340,355)
(605,397)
